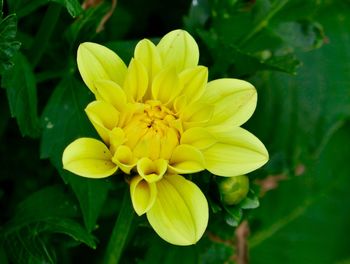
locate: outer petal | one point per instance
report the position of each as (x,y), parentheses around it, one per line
(178,49)
(147,53)
(89,158)
(143,194)
(136,81)
(237,152)
(97,62)
(104,117)
(234,100)
(180,212)
(111,93)
(186,159)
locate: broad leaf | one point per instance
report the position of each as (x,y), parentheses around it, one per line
(63,121)
(20,85)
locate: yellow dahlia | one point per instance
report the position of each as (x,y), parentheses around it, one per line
(159,118)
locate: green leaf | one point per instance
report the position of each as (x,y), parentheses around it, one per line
(250,202)
(26,7)
(20,86)
(8,45)
(73,6)
(64,120)
(26,236)
(233,215)
(310,127)
(198,15)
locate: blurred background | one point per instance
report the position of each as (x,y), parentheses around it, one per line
(297,55)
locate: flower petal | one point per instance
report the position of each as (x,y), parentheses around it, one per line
(151,170)
(143,194)
(180,213)
(197,114)
(104,117)
(124,158)
(178,49)
(194,81)
(136,81)
(111,93)
(89,158)
(166,86)
(97,62)
(147,53)
(186,159)
(198,137)
(234,100)
(237,152)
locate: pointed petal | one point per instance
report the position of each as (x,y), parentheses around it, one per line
(180,213)
(104,117)
(116,138)
(136,81)
(97,62)
(166,86)
(111,93)
(168,142)
(194,81)
(237,152)
(124,158)
(89,158)
(151,170)
(234,100)
(147,53)
(143,194)
(178,49)
(186,159)
(197,114)
(198,137)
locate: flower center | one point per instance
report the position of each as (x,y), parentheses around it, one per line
(153,131)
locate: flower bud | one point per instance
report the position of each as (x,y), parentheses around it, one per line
(234,189)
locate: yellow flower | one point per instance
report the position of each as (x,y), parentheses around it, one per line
(159,118)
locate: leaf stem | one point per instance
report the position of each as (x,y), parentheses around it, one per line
(120,232)
(44,33)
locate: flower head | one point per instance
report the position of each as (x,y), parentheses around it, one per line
(160,118)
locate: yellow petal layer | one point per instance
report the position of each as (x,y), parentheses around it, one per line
(124,158)
(178,49)
(197,114)
(147,53)
(194,81)
(97,62)
(186,159)
(180,213)
(234,100)
(198,137)
(237,152)
(136,81)
(111,93)
(166,86)
(104,117)
(151,170)
(89,158)
(143,194)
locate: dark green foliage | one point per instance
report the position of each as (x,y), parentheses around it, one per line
(295,52)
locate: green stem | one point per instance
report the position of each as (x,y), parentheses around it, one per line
(120,231)
(264,22)
(44,33)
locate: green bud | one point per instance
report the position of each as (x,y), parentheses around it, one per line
(234,189)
